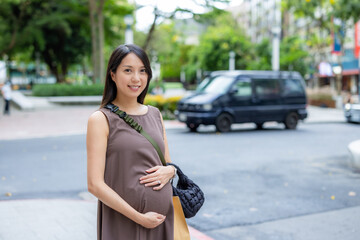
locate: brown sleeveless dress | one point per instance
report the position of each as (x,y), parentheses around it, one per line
(128,155)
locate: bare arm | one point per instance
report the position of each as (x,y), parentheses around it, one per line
(96,144)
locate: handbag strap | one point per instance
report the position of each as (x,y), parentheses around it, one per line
(132,123)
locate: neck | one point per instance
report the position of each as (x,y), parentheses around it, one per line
(127,105)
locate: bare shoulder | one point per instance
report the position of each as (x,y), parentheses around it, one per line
(98,120)
(97,117)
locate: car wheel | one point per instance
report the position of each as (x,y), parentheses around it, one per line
(259,126)
(223,122)
(193,127)
(291,120)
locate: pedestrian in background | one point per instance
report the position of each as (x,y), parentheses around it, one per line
(124,170)
(6,93)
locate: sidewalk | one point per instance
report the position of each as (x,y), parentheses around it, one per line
(47,219)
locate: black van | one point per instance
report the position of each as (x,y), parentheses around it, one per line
(227,97)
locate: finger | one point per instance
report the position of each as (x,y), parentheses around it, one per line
(150,180)
(154,183)
(160,216)
(149,176)
(160,219)
(157,188)
(153,169)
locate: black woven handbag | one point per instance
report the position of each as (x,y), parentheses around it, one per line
(190,194)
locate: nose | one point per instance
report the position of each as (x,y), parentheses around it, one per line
(136,77)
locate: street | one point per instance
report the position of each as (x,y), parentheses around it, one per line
(249,177)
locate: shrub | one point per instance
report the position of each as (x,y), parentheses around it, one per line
(49,90)
(155,100)
(173,85)
(167,106)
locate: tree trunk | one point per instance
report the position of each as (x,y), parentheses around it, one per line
(64,67)
(94,40)
(97,39)
(52,65)
(17,21)
(151,31)
(101,41)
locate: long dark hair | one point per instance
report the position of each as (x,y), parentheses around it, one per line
(116,58)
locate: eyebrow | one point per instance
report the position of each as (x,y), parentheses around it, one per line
(129,66)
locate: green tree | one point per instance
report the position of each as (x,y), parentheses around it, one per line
(293,55)
(12,20)
(166,47)
(107,27)
(58,32)
(347,10)
(262,56)
(212,53)
(160,16)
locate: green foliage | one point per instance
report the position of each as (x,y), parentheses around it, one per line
(262,58)
(166,48)
(347,10)
(50,90)
(216,43)
(59,31)
(173,85)
(114,25)
(153,84)
(293,55)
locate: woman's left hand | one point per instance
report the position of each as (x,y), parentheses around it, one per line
(157,176)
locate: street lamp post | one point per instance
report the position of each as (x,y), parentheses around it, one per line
(231,60)
(276,30)
(129,20)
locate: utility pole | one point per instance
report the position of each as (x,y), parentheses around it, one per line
(276,30)
(129,36)
(231,60)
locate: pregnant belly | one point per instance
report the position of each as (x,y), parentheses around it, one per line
(158,201)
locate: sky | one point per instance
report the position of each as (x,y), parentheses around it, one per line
(144,15)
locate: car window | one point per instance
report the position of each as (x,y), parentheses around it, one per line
(292,87)
(243,88)
(203,84)
(218,84)
(267,88)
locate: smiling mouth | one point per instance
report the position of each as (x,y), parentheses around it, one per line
(134,87)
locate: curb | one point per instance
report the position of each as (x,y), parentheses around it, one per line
(354,148)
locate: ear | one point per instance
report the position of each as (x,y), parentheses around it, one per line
(112,76)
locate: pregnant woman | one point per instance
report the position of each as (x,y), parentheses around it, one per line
(124,170)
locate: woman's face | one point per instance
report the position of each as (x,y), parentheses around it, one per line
(130,76)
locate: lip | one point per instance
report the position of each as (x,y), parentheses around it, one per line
(134,88)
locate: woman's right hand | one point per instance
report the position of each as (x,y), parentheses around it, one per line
(152,219)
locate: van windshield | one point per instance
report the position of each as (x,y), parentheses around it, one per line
(218,84)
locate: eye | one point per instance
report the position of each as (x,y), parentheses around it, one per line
(127,70)
(143,70)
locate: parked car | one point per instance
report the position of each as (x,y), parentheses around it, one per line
(227,97)
(352,112)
